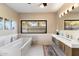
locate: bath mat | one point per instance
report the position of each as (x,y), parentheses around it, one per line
(48,50)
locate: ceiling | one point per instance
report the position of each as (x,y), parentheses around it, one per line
(34,7)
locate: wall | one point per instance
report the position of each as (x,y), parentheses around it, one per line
(60,21)
(50,17)
(69,16)
(7,12)
(66,6)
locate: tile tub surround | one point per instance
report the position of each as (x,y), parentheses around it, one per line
(69,42)
(39,39)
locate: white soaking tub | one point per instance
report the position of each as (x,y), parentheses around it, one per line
(16,48)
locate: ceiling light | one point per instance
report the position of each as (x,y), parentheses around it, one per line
(43,5)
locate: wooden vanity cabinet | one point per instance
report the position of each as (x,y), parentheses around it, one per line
(71,51)
(75,51)
(68,51)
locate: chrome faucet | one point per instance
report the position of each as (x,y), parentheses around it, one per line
(11,40)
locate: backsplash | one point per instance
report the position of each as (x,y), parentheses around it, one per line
(71,34)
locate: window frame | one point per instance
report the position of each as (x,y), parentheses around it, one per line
(34,32)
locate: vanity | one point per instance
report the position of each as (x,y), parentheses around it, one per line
(67,46)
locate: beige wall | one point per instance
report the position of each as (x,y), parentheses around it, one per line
(6,12)
(50,17)
(66,6)
(69,16)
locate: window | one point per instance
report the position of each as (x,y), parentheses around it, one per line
(1,23)
(7,24)
(33,26)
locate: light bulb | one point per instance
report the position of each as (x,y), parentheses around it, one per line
(60,16)
(76,5)
(66,12)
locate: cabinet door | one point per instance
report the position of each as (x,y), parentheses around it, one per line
(61,46)
(75,51)
(68,51)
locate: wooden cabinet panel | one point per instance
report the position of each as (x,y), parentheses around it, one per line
(75,51)
(61,46)
(68,51)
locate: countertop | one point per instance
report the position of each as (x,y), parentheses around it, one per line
(72,43)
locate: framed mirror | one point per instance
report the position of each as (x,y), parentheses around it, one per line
(71,24)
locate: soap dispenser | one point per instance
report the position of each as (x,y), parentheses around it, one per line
(57,32)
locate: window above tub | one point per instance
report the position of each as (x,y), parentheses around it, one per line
(33,26)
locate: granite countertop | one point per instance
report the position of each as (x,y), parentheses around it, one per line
(69,42)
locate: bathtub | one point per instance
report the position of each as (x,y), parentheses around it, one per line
(18,47)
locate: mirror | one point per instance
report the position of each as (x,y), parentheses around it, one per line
(71,19)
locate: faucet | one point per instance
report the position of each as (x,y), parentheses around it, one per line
(11,40)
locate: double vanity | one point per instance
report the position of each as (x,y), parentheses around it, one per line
(68,47)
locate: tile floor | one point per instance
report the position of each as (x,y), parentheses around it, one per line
(35,50)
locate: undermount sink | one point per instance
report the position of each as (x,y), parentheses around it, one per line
(66,38)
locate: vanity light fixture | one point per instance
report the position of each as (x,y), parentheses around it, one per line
(60,16)
(72,7)
(76,5)
(63,13)
(66,12)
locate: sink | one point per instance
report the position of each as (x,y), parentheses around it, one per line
(66,38)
